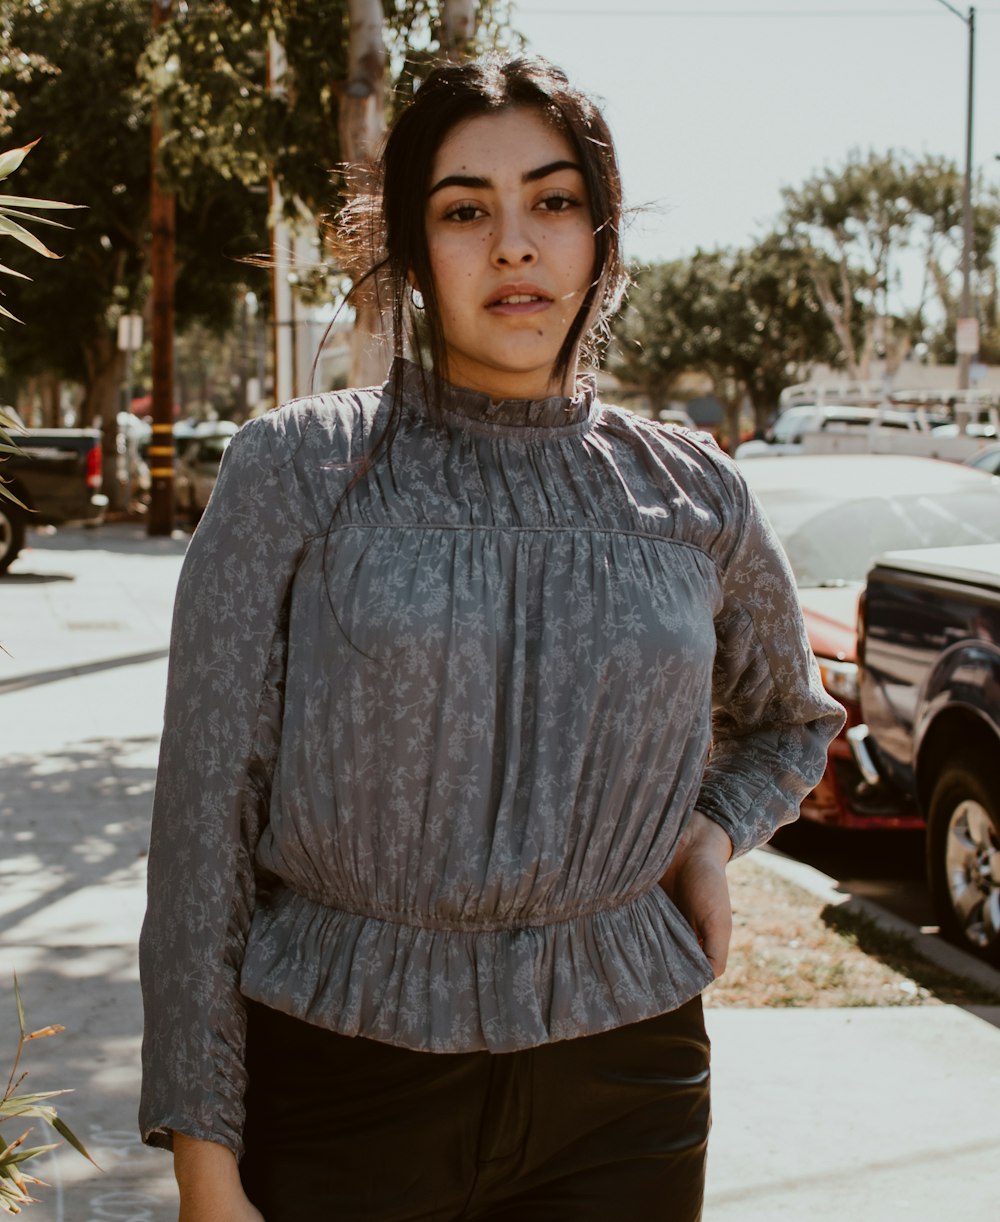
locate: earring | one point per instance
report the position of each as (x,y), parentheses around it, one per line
(416,298)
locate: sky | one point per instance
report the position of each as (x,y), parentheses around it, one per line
(715,106)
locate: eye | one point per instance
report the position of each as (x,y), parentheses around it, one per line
(464,212)
(559,201)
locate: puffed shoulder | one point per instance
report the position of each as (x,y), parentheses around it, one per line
(699,445)
(693,473)
(339,424)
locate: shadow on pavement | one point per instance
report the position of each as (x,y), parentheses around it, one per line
(71,820)
(85,668)
(34,579)
(74,823)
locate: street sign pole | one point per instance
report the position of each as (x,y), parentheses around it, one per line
(965,358)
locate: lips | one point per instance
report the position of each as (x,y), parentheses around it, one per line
(518,295)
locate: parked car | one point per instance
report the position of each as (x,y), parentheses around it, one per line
(834,515)
(197,466)
(786,434)
(57,476)
(930,696)
(988,460)
(857,429)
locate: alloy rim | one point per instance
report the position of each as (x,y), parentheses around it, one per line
(972,864)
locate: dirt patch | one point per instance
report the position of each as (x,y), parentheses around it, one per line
(791,949)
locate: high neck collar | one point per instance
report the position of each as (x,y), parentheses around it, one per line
(555,416)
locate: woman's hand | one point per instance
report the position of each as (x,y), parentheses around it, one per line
(209,1182)
(696,882)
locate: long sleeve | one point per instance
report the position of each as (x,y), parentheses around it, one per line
(221,727)
(772,718)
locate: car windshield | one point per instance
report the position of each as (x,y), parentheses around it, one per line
(830,542)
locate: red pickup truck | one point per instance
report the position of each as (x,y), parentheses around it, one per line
(57,476)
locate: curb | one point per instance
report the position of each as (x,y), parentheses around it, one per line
(930,947)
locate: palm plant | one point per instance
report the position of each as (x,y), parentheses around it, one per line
(14,1154)
(13,210)
(13,1181)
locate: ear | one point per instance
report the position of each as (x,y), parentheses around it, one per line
(411,280)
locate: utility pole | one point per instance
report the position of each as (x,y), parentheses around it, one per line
(967,336)
(161,261)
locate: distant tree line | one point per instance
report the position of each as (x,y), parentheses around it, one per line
(864,262)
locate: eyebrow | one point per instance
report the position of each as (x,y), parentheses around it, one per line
(477,183)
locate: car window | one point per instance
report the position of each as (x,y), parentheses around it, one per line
(829,541)
(988,460)
(211,449)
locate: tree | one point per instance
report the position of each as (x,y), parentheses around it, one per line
(81,79)
(937,195)
(14,211)
(72,67)
(853,224)
(747,318)
(329,112)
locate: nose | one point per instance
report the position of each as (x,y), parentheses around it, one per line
(513,245)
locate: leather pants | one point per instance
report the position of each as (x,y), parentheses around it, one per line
(605,1128)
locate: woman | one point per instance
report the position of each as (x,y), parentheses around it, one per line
(438,726)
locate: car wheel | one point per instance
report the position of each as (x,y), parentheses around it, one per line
(11,533)
(963,858)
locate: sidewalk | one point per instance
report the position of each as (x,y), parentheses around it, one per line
(868,1115)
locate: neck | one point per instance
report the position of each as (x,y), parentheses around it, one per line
(500,384)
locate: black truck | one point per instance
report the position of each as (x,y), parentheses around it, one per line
(929,652)
(57,476)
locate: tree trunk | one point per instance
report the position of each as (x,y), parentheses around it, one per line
(458,27)
(732,402)
(105,369)
(362,126)
(43,393)
(839,315)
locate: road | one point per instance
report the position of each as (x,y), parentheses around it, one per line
(884,866)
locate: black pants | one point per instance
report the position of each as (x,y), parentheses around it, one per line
(605,1128)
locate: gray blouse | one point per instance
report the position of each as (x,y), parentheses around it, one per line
(431,735)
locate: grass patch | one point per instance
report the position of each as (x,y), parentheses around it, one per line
(791,949)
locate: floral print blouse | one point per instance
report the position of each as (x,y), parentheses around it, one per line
(435,724)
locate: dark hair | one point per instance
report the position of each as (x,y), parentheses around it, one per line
(387,228)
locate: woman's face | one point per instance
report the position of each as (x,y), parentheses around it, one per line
(511,248)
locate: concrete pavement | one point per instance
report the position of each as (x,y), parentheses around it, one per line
(872,1115)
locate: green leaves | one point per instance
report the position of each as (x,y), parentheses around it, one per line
(747,319)
(13,1182)
(12,206)
(16,206)
(862,216)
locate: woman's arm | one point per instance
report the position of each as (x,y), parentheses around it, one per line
(772,718)
(208,1180)
(696,882)
(223,688)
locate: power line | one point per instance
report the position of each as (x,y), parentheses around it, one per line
(852,14)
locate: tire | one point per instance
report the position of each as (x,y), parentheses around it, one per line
(963,857)
(11,533)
